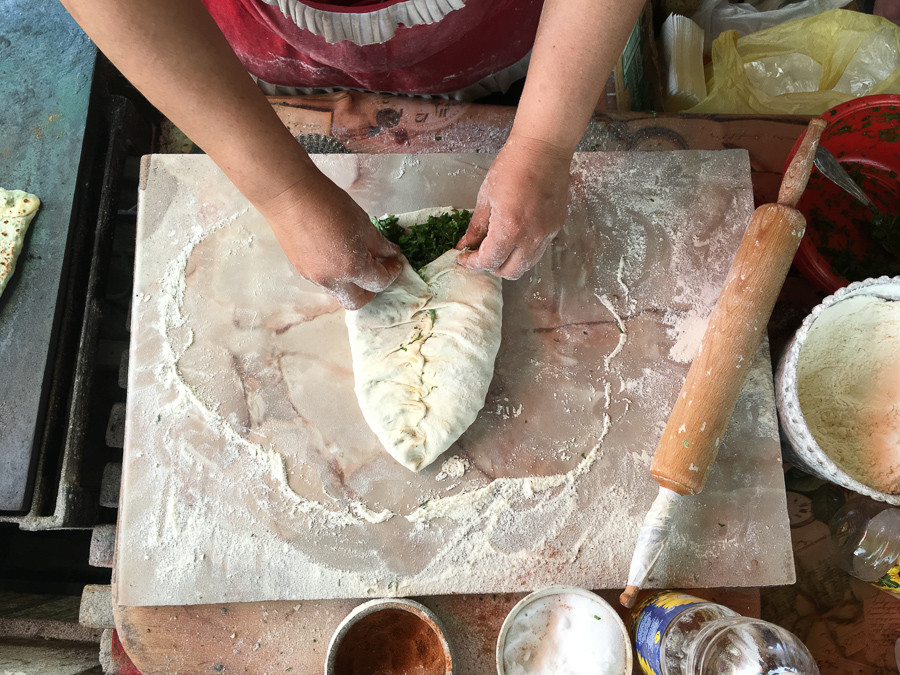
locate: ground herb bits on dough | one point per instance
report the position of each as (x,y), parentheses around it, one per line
(426,241)
(422,332)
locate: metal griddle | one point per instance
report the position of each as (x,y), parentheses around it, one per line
(46,68)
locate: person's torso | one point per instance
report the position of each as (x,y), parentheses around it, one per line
(409,46)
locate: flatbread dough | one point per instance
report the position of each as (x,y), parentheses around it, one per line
(17,208)
(423,354)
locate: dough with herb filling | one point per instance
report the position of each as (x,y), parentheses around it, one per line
(423,354)
(17,209)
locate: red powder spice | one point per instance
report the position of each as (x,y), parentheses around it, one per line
(390,642)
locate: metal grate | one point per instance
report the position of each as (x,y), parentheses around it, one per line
(84,385)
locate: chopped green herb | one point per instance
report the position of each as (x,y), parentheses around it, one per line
(415,339)
(426,241)
(388,227)
(432,313)
(686,443)
(424,504)
(597,617)
(582,456)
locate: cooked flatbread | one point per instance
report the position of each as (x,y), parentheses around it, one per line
(423,354)
(17,208)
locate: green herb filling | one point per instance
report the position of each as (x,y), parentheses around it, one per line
(426,241)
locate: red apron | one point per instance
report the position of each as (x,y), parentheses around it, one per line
(408,46)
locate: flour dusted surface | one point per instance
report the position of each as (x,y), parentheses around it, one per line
(250,473)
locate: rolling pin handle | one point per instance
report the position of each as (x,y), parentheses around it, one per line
(629,596)
(797,174)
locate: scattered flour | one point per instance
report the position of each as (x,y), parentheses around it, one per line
(687,332)
(264,524)
(619,274)
(369,515)
(548,498)
(623,335)
(453,468)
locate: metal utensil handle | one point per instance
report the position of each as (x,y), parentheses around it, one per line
(833,171)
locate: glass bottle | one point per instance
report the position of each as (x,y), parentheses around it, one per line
(866,538)
(678,634)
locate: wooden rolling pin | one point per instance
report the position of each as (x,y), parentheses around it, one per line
(697,423)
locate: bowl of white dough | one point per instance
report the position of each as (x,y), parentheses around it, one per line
(838,390)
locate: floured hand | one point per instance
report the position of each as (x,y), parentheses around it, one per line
(330,240)
(521,206)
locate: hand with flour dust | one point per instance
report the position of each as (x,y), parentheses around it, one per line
(330,240)
(521,206)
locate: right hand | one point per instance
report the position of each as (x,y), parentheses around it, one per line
(521,206)
(330,240)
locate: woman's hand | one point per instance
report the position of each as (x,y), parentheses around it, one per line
(330,240)
(521,206)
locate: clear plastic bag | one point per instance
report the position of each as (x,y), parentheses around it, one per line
(803,67)
(717,16)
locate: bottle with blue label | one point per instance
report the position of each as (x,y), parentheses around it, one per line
(678,634)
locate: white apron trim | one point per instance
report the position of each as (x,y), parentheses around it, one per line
(497,83)
(365,28)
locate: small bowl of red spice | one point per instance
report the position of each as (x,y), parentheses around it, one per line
(393,636)
(844,240)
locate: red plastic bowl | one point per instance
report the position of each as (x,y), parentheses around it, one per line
(864,135)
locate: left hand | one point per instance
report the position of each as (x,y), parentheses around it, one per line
(521,206)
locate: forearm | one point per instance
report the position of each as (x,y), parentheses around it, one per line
(577,45)
(173,52)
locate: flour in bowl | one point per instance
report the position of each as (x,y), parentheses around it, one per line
(848,382)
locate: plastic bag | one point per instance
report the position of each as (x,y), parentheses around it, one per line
(717,16)
(803,67)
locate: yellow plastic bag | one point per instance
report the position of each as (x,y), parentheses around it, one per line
(803,67)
